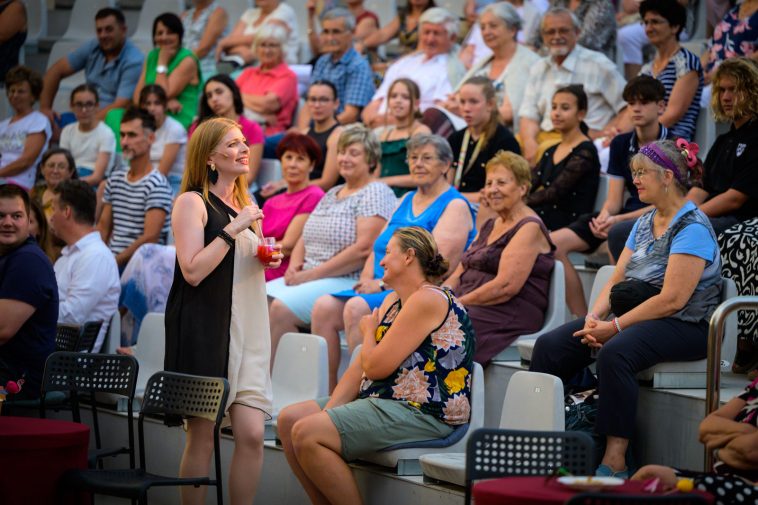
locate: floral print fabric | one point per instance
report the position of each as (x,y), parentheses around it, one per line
(436,377)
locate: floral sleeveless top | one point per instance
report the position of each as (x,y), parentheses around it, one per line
(436,377)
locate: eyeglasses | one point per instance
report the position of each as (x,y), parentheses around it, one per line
(319,99)
(83,105)
(553,31)
(425,159)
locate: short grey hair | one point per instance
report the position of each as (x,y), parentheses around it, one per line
(440,16)
(506,12)
(270,31)
(561,11)
(441,146)
(358,133)
(339,13)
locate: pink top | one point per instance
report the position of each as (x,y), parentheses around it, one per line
(280,210)
(282,82)
(250,129)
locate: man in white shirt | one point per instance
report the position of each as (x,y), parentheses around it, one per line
(86,272)
(568,63)
(433,66)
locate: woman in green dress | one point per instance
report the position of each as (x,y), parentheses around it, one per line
(175,68)
(403,122)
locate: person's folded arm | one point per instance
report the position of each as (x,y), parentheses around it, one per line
(682,275)
(32,148)
(15,314)
(516,263)
(352,257)
(682,95)
(725,203)
(452,230)
(741,452)
(719,427)
(424,311)
(154,220)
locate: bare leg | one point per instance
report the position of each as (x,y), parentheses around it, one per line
(567,241)
(282,320)
(287,419)
(317,447)
(326,322)
(196,460)
(245,468)
(615,453)
(355,309)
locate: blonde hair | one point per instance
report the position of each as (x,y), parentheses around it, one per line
(432,264)
(204,141)
(517,165)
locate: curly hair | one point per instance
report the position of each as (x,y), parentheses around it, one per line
(744,71)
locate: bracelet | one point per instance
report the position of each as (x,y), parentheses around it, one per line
(223,235)
(616,324)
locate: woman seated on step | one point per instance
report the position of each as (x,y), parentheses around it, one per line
(732,433)
(411,382)
(656,306)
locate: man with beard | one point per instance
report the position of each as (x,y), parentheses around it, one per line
(111,63)
(28,296)
(137,199)
(568,63)
(86,272)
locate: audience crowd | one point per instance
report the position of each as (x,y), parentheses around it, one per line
(412,156)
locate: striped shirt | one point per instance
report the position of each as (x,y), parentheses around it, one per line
(130,202)
(678,66)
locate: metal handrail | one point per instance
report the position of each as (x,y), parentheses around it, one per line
(716,332)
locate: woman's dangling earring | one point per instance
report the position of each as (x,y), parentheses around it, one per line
(212,174)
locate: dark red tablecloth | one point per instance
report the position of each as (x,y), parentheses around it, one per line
(538,491)
(34,453)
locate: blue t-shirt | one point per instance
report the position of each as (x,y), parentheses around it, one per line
(695,239)
(113,79)
(26,275)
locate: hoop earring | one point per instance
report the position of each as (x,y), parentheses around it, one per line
(212,174)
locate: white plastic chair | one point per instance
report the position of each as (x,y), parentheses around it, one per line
(406,461)
(150,350)
(554,316)
(301,370)
(81,25)
(533,401)
(151,9)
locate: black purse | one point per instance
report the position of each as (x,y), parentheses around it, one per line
(626,295)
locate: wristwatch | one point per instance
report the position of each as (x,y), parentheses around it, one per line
(161,69)
(382,286)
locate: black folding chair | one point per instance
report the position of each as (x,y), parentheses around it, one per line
(167,394)
(501,453)
(76,373)
(625,499)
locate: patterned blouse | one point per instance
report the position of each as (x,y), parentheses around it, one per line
(732,37)
(332,226)
(436,378)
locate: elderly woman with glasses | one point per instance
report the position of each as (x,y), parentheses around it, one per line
(435,206)
(655,307)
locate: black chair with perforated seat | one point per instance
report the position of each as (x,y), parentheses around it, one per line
(167,395)
(626,499)
(77,373)
(494,453)
(88,336)
(67,337)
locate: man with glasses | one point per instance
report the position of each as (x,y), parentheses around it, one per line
(341,65)
(111,63)
(567,63)
(433,67)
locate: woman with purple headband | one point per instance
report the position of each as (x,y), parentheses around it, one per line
(655,307)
